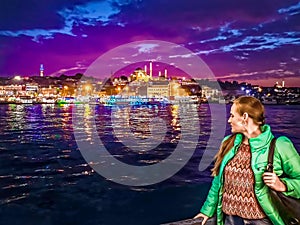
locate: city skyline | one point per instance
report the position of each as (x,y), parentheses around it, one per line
(252,41)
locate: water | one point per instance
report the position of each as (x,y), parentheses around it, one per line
(45,180)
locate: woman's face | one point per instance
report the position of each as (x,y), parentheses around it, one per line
(236,121)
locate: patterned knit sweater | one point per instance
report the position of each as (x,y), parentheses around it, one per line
(238,197)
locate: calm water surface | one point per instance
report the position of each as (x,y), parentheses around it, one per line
(45,180)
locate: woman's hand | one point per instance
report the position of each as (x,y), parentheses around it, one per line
(273,181)
(205,218)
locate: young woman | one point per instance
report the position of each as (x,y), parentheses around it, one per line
(239,191)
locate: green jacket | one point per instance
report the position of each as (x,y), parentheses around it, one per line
(286,160)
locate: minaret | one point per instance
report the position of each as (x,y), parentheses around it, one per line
(145,69)
(150,70)
(166,73)
(41,70)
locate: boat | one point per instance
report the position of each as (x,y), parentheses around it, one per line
(45,100)
(269,101)
(25,100)
(131,100)
(184,99)
(66,100)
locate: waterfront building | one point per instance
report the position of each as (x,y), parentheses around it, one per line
(31,89)
(210,93)
(49,91)
(158,89)
(12,90)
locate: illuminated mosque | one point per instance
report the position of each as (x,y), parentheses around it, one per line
(142,75)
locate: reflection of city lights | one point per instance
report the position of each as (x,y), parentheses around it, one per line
(87,122)
(174,112)
(87,110)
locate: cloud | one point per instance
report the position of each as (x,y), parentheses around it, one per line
(258,75)
(71,70)
(37,34)
(266,41)
(291,10)
(232,36)
(181,56)
(146,48)
(88,14)
(164,19)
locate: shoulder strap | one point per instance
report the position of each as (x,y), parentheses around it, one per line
(271,155)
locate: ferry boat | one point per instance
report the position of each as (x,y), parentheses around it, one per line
(48,100)
(25,100)
(131,100)
(66,100)
(184,99)
(269,101)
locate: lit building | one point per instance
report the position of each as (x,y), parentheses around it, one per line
(210,93)
(31,89)
(51,90)
(158,89)
(140,75)
(13,90)
(176,89)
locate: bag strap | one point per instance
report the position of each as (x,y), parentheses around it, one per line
(271,155)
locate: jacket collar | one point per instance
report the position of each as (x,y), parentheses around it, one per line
(258,142)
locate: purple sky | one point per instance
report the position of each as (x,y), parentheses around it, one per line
(248,40)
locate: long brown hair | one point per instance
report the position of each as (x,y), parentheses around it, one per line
(255,110)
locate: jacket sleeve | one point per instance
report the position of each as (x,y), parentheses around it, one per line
(210,205)
(290,163)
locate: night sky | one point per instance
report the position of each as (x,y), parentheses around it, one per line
(243,40)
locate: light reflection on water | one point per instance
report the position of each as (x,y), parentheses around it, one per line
(38,153)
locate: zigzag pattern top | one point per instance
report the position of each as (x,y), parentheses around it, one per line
(238,197)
